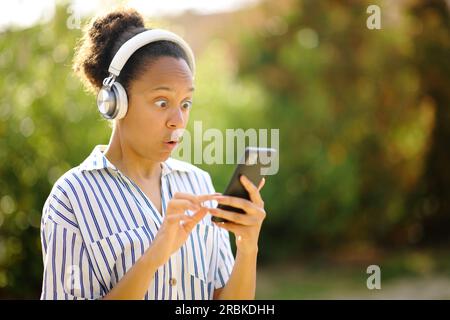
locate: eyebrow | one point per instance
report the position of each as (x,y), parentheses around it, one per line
(169,89)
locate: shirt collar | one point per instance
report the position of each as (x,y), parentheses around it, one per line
(97,161)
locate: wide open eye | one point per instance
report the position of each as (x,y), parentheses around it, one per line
(187,105)
(162,103)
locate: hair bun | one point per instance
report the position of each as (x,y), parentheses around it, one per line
(98,43)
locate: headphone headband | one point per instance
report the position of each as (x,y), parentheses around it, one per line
(112,100)
(143,38)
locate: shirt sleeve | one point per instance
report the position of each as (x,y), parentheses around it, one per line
(68,272)
(225,262)
(225,258)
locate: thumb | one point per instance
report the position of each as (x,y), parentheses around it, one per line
(196,218)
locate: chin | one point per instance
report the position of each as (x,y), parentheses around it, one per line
(156,155)
(164,155)
(167,156)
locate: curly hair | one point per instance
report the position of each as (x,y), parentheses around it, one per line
(102,39)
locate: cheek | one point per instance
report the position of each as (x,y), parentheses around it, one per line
(142,119)
(141,113)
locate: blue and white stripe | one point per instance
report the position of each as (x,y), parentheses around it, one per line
(96,224)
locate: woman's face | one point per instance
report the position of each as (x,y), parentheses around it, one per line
(159,102)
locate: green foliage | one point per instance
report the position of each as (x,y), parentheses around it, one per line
(353,129)
(47,125)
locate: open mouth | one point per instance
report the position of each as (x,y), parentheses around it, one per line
(171,144)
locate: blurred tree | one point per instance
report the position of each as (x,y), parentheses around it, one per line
(42,107)
(431,34)
(353,135)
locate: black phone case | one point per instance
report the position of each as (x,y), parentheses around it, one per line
(236,189)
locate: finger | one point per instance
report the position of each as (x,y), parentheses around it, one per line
(198,199)
(187,223)
(196,218)
(239,203)
(238,218)
(252,190)
(232,227)
(184,195)
(177,218)
(177,206)
(200,214)
(261,184)
(207,197)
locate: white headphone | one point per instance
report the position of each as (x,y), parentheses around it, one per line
(112,100)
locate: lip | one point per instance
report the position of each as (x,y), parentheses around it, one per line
(170,146)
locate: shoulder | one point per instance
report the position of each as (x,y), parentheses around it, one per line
(58,206)
(66,183)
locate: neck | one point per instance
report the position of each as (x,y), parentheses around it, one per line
(129,162)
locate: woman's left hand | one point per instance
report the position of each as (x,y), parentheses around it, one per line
(245,226)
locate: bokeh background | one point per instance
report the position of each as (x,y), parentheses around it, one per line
(364,124)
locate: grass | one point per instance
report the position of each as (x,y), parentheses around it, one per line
(404,275)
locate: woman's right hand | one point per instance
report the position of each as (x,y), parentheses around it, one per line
(173,233)
(176,225)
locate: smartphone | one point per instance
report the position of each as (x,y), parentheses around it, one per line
(251,165)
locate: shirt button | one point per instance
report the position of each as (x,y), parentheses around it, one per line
(173,281)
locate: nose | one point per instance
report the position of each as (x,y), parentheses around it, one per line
(176,119)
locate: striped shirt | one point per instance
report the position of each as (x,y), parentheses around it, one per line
(96,223)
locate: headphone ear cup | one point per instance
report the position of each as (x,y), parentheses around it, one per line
(121,100)
(106,102)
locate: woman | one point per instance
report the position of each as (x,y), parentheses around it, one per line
(130,222)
